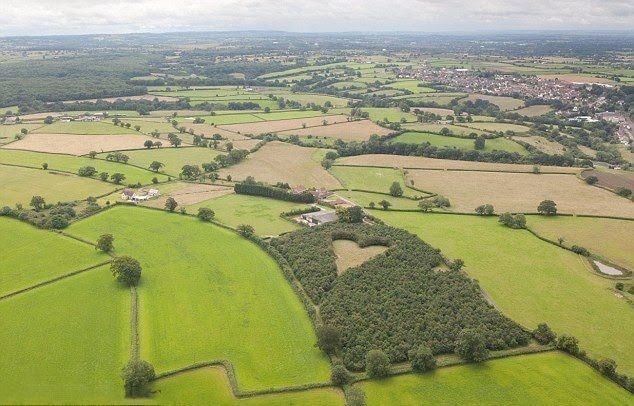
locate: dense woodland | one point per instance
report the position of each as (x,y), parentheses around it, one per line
(395,301)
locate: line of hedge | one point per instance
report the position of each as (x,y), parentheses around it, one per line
(257,189)
(134,324)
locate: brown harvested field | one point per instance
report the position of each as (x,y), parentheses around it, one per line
(140,97)
(520,192)
(208,130)
(350,131)
(187,194)
(542,144)
(611,178)
(349,254)
(78,144)
(281,162)
(534,111)
(505,103)
(187,113)
(415,162)
(246,143)
(263,127)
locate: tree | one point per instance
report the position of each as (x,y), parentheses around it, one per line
(470,345)
(229,146)
(190,172)
(205,214)
(547,208)
(396,190)
(568,344)
(328,339)
(352,214)
(103,176)
(57,222)
(48,120)
(156,165)
(479,143)
(37,202)
(137,127)
(422,359)
(339,375)
(92,154)
(512,221)
(326,163)
(385,204)
(591,180)
(136,375)
(543,334)
(426,205)
(105,243)
(170,204)
(148,144)
(45,166)
(86,171)
(377,364)
(607,367)
(126,269)
(245,230)
(441,201)
(117,177)
(355,397)
(484,210)
(24,131)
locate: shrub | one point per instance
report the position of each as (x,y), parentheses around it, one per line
(86,171)
(547,208)
(591,180)
(513,221)
(543,334)
(137,375)
(377,364)
(422,359)
(619,286)
(355,397)
(623,191)
(426,205)
(580,250)
(441,201)
(245,230)
(396,190)
(607,367)
(484,210)
(206,214)
(57,222)
(105,243)
(456,265)
(170,204)
(471,346)
(568,344)
(328,339)
(339,375)
(126,269)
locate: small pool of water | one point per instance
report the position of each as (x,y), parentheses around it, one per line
(608,270)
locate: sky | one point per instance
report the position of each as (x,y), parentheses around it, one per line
(48,17)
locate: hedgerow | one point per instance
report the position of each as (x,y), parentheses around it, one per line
(396,301)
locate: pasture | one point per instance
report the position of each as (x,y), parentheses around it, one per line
(392,115)
(503,102)
(65,343)
(497,127)
(547,378)
(359,130)
(20,184)
(31,255)
(70,163)
(608,238)
(281,162)
(148,125)
(369,179)
(187,194)
(364,199)
(204,292)
(173,158)
(88,128)
(531,281)
(261,213)
(458,130)
(493,144)
(542,144)
(520,192)
(8,132)
(78,144)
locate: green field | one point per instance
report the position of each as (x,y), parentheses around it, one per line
(65,343)
(237,118)
(261,213)
(363,199)
(210,386)
(393,115)
(207,293)
(437,128)
(532,281)
(549,378)
(291,114)
(172,158)
(31,255)
(411,85)
(372,179)
(20,184)
(500,144)
(71,163)
(75,127)
(148,126)
(608,238)
(9,131)
(504,127)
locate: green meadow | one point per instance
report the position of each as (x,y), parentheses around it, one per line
(549,378)
(149,126)
(70,163)
(20,184)
(76,127)
(364,199)
(31,255)
(207,294)
(173,158)
(393,115)
(65,343)
(372,179)
(261,213)
(499,144)
(532,281)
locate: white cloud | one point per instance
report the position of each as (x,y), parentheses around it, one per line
(39,17)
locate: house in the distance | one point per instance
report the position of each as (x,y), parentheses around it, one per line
(140,195)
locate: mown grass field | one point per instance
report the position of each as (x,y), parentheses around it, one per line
(607,238)
(261,213)
(173,158)
(499,144)
(76,127)
(30,255)
(532,281)
(20,184)
(211,386)
(548,378)
(364,199)
(372,179)
(66,343)
(204,294)
(70,163)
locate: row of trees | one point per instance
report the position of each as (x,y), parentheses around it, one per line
(260,189)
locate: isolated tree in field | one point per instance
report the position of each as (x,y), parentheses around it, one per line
(339,375)
(245,230)
(105,243)
(37,202)
(568,344)
(126,269)
(48,120)
(190,172)
(170,204)
(45,166)
(24,131)
(148,144)
(591,180)
(156,165)
(117,177)
(205,214)
(479,143)
(396,190)
(547,208)
(92,154)
(470,345)
(385,204)
(377,364)
(422,359)
(328,339)
(137,375)
(543,334)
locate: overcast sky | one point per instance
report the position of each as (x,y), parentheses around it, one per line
(43,17)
